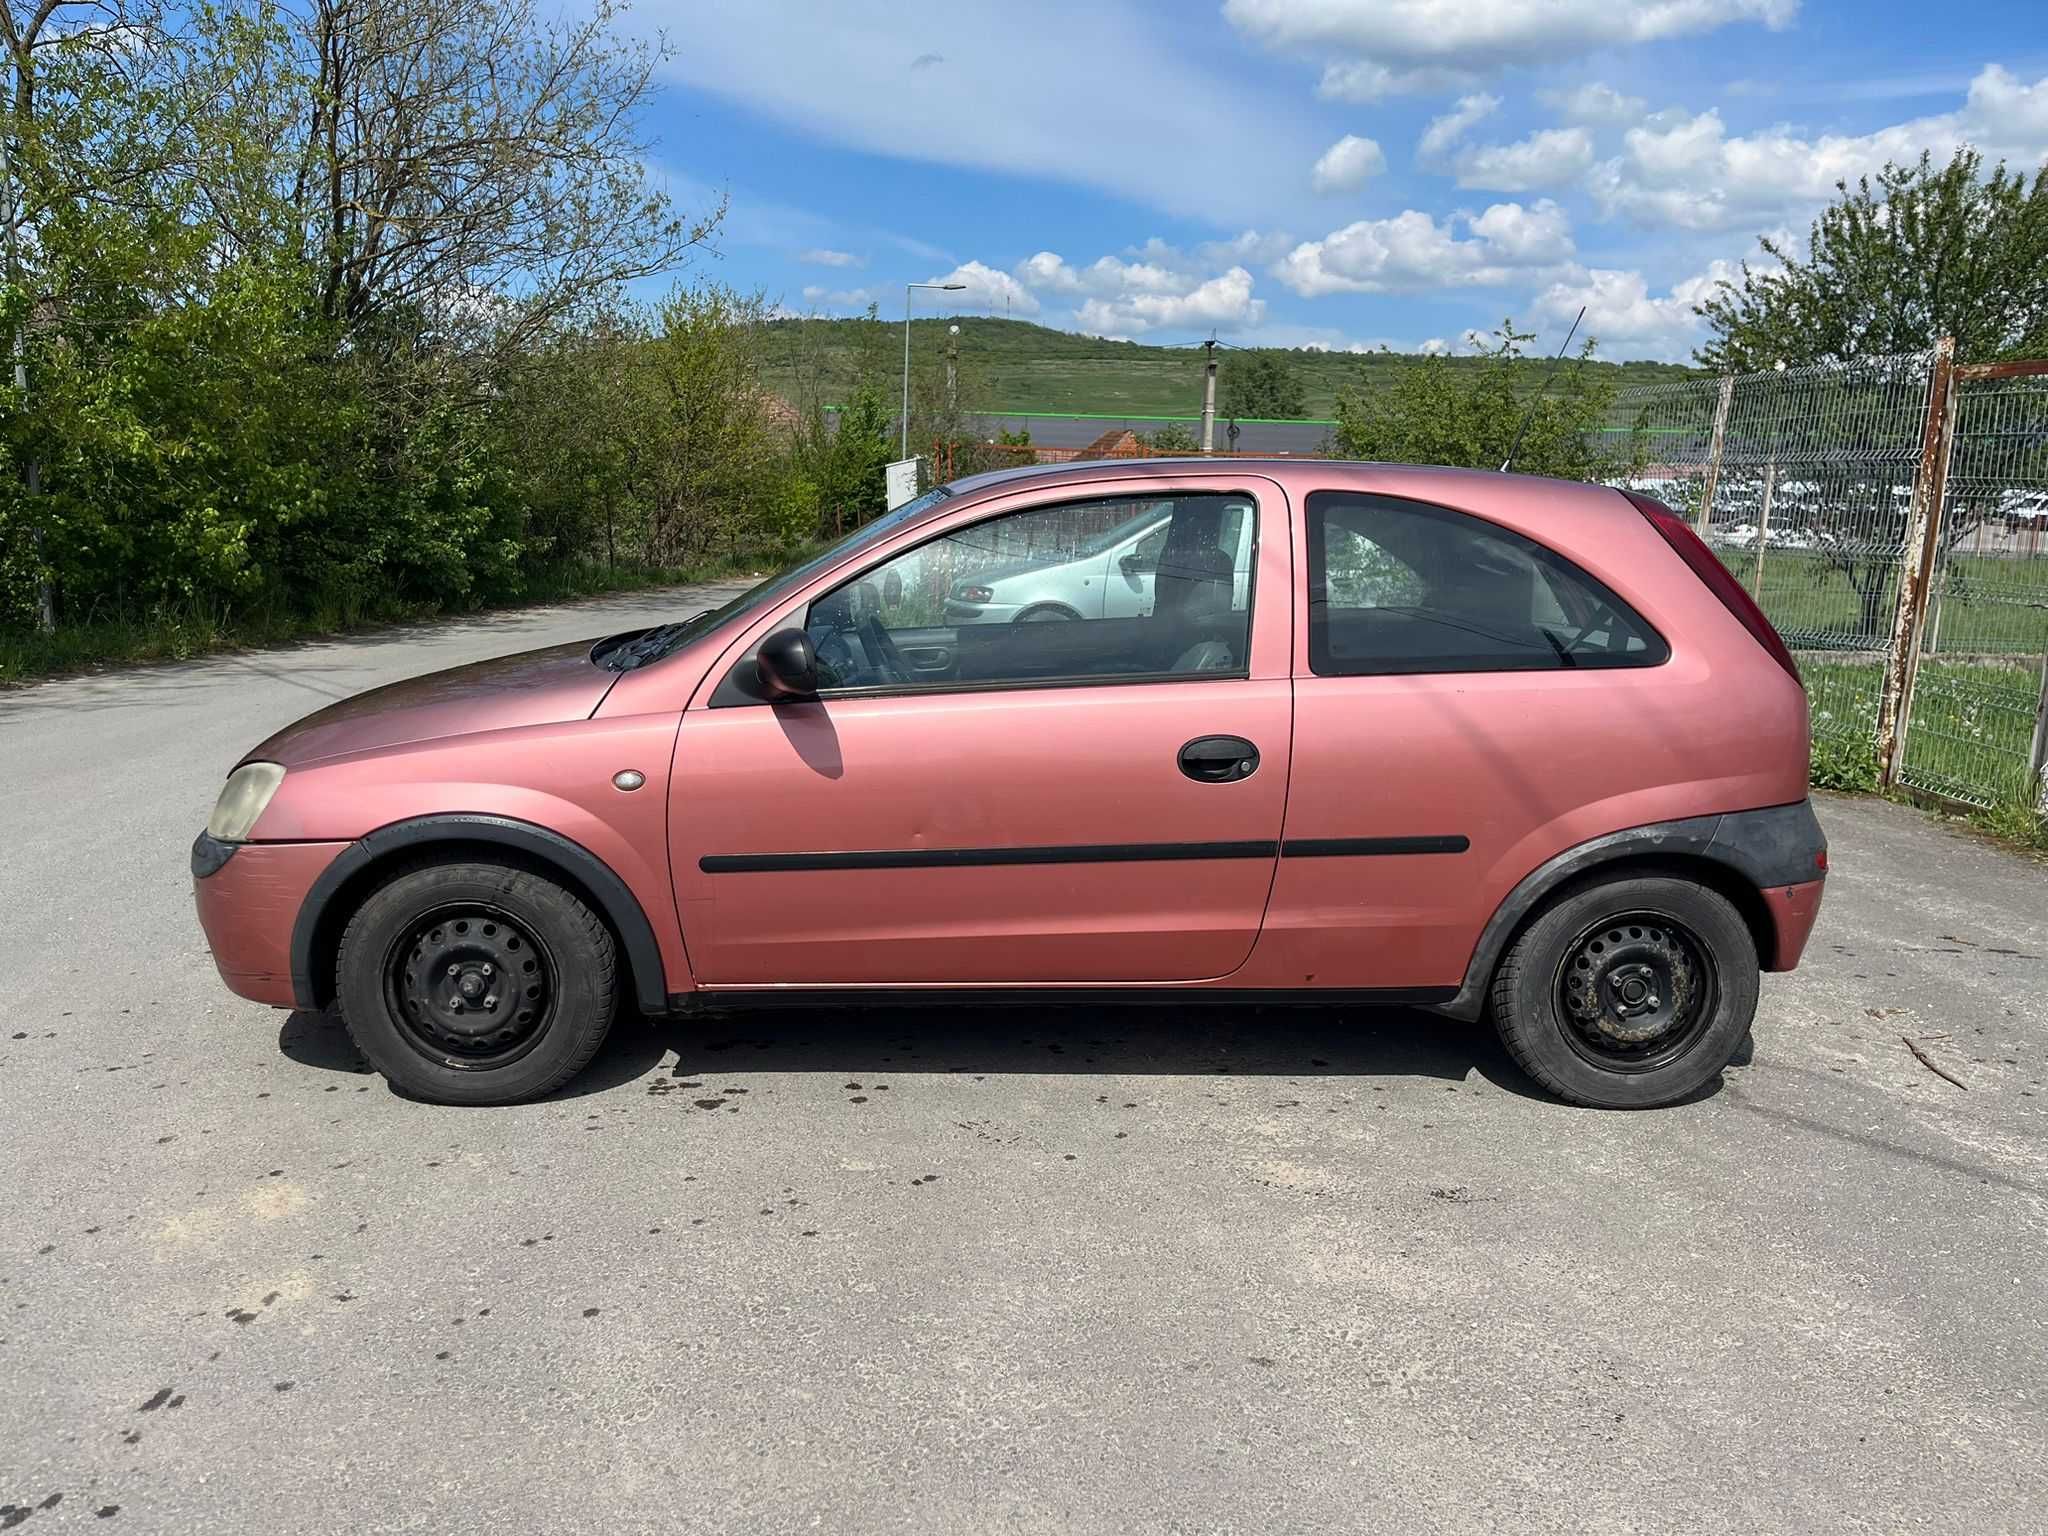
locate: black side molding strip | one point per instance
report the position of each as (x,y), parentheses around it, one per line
(970,858)
(1076,853)
(1367,847)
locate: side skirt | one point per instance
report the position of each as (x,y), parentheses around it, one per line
(744,999)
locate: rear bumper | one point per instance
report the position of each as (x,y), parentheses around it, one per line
(247,906)
(1793,909)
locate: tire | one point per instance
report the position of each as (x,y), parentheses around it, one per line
(1630,993)
(1042,612)
(533,969)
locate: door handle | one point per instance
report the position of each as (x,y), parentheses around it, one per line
(1219,759)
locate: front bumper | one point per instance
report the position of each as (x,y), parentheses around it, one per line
(247,906)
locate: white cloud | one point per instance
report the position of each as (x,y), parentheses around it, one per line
(1527,237)
(1595,105)
(1224,302)
(1676,168)
(840,298)
(1157,288)
(1049,271)
(1347,165)
(1363,82)
(1446,132)
(1250,248)
(1409,45)
(1089,92)
(1625,317)
(986,288)
(1550,157)
(1412,252)
(819,256)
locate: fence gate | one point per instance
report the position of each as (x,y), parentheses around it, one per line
(1974,732)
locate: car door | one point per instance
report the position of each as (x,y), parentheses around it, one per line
(1094,801)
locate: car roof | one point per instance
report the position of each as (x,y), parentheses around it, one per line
(1276,466)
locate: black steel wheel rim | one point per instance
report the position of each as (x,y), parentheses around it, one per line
(470,985)
(1635,991)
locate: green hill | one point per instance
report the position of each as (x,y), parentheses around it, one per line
(1013,365)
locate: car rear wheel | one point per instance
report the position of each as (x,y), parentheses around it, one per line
(1630,993)
(476,983)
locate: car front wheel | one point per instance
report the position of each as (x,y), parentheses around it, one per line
(1630,993)
(476,983)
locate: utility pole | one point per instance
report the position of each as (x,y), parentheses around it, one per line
(1209,396)
(903,450)
(46,604)
(952,369)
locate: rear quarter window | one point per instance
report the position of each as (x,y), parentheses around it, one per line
(1399,586)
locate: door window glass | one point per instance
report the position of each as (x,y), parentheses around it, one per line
(1120,590)
(1402,586)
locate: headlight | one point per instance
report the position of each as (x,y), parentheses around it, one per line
(242,799)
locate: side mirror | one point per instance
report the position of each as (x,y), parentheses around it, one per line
(787,665)
(1135,565)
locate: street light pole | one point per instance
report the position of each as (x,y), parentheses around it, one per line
(904,451)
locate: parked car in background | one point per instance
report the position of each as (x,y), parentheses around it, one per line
(1475,743)
(1105,576)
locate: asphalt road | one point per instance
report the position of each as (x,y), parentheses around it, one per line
(1007,1271)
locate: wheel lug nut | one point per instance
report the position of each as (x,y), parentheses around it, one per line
(487,968)
(455,1005)
(491,1002)
(454,970)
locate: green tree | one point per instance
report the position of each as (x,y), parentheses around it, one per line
(1440,413)
(1891,265)
(1174,437)
(1258,386)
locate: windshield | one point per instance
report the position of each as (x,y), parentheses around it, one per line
(622,653)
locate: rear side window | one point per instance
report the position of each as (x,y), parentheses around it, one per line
(1402,586)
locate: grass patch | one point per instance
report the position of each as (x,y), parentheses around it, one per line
(1990,606)
(1026,367)
(179,632)
(1972,728)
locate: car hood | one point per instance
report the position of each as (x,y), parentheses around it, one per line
(543,687)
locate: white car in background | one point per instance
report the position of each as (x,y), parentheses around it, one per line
(1108,576)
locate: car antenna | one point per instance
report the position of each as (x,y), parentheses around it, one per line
(1516,446)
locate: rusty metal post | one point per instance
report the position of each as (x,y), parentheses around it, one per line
(1916,566)
(1714,450)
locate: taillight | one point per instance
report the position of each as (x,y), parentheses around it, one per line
(1692,549)
(974,594)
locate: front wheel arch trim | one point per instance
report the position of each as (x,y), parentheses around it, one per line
(319,921)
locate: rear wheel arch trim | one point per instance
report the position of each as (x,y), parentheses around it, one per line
(1747,851)
(614,900)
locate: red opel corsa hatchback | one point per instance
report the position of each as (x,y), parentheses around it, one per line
(1468,742)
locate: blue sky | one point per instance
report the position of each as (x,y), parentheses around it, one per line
(1335,173)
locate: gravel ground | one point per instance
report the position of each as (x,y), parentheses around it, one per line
(1061,1269)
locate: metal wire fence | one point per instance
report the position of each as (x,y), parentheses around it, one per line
(1974,732)
(1802,480)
